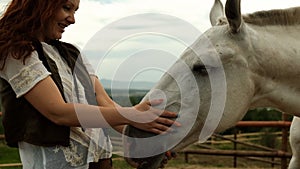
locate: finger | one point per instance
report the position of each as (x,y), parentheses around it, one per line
(165,161)
(169,114)
(168,155)
(173,154)
(157,131)
(155,102)
(168,122)
(165,121)
(161,129)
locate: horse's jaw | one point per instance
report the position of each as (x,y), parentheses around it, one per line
(146,150)
(279,94)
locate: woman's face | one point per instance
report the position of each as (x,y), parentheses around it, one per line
(63,17)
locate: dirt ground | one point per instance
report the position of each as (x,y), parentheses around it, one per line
(200,167)
(217,162)
(214,162)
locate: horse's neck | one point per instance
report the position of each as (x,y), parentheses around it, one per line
(278,76)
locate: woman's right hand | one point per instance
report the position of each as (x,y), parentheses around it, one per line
(144,116)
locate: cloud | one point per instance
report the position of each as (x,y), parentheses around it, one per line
(95,16)
(106,1)
(3,5)
(114,45)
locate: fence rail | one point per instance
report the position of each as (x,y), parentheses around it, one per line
(11,165)
(240,153)
(241,137)
(235,139)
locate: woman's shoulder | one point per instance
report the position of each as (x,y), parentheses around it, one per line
(58,43)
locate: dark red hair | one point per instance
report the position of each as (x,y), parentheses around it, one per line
(19,26)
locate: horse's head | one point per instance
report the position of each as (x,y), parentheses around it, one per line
(211,86)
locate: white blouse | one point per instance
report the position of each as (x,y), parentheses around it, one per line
(23,77)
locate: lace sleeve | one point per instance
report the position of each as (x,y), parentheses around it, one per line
(23,77)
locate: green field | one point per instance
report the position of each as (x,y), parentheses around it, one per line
(8,155)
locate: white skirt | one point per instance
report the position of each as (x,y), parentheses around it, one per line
(38,157)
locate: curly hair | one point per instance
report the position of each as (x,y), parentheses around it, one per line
(19,25)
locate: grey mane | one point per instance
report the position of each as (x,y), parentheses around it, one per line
(290,16)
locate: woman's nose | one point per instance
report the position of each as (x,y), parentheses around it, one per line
(71,19)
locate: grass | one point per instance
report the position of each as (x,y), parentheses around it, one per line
(8,155)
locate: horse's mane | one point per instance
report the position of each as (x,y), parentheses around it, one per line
(290,16)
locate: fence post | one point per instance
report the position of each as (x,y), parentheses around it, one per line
(186,157)
(235,147)
(284,142)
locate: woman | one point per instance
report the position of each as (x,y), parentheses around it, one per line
(54,107)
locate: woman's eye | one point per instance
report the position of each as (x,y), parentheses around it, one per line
(66,7)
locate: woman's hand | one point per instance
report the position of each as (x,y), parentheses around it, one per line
(168,156)
(148,118)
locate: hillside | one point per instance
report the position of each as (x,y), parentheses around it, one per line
(115,84)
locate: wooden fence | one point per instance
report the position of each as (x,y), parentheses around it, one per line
(236,139)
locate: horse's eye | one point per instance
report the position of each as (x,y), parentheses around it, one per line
(201,69)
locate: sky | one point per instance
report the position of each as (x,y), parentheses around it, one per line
(143,37)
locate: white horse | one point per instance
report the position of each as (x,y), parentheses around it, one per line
(242,62)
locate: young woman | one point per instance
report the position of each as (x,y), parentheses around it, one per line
(54,108)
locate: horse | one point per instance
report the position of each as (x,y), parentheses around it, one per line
(242,62)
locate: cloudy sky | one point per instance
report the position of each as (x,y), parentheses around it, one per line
(143,37)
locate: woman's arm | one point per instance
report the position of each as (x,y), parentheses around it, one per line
(46,98)
(104,100)
(102,97)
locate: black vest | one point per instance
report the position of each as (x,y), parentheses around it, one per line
(22,122)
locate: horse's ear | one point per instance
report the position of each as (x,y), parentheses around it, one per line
(233,14)
(216,12)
